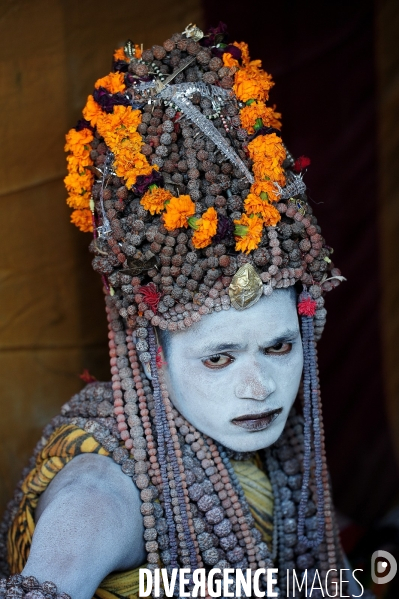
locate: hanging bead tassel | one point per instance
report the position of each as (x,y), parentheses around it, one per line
(307,309)
(313,427)
(167,449)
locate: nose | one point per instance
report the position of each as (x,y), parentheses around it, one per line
(254,383)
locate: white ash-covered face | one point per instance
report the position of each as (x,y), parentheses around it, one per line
(235,375)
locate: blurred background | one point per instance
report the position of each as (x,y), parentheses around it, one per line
(336,69)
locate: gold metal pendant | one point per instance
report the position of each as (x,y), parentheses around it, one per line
(246,287)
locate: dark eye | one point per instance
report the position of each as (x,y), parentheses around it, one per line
(279,349)
(218,361)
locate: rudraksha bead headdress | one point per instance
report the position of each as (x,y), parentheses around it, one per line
(179,171)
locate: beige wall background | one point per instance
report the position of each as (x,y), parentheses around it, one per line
(52,320)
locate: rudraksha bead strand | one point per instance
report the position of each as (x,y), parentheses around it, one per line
(159,426)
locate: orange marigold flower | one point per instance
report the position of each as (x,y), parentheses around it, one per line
(271,216)
(258,110)
(269,170)
(265,187)
(205,228)
(77,164)
(272,118)
(178,211)
(92,111)
(77,140)
(267,146)
(138,51)
(83,220)
(252,83)
(74,182)
(113,83)
(119,54)
(262,208)
(121,123)
(140,166)
(154,199)
(248,233)
(229,61)
(79,201)
(253,204)
(126,116)
(244,52)
(268,154)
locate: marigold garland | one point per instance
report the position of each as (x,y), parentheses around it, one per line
(79,180)
(251,86)
(258,110)
(119,130)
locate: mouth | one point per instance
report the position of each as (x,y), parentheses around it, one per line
(257,422)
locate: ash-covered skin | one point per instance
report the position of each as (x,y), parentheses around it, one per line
(236,364)
(91,504)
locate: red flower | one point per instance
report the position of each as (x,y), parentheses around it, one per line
(159,360)
(87,377)
(151,296)
(301,163)
(307,307)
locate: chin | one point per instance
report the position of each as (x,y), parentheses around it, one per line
(251,441)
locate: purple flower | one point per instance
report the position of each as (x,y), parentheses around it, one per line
(144,181)
(107,101)
(264,131)
(225,229)
(83,124)
(215,35)
(130,79)
(120,66)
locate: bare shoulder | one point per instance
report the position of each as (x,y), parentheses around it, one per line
(89,475)
(88,524)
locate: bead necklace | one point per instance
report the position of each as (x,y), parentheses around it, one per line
(195,512)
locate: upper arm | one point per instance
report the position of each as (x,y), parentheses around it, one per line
(88,525)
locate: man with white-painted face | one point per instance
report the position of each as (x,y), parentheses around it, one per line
(194,457)
(235,375)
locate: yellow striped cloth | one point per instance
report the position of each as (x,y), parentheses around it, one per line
(69,441)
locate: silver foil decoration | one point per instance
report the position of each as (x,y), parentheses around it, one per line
(179,95)
(294,186)
(105,229)
(193,32)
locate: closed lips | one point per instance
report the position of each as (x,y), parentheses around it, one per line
(256,422)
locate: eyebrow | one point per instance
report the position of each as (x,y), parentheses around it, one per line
(223,347)
(215,349)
